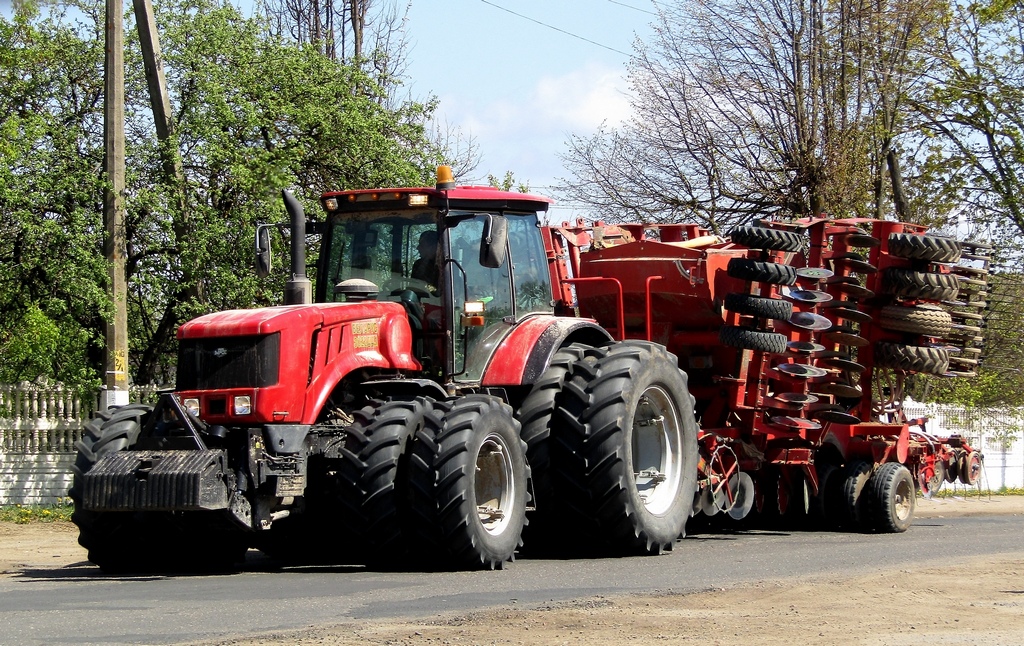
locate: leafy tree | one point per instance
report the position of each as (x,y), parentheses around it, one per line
(748,108)
(52,272)
(1000,378)
(973,113)
(508,183)
(254,115)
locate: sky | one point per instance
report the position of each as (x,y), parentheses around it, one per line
(518,87)
(520,76)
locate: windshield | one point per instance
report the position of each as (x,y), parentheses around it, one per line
(394,250)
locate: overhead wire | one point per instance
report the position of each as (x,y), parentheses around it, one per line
(558,29)
(629,6)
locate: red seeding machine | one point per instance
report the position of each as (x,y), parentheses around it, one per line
(463,382)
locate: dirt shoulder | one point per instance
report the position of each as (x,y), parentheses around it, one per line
(980,600)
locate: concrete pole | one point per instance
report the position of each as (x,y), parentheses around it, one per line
(116,381)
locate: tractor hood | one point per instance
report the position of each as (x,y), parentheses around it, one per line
(268,320)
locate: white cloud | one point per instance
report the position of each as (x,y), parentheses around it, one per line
(584,98)
(526,131)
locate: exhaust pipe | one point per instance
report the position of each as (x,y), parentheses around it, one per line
(298,290)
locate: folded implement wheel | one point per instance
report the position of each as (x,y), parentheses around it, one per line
(929,248)
(970,468)
(766,238)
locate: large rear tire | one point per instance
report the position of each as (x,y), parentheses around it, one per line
(889,499)
(625,449)
(536,416)
(123,541)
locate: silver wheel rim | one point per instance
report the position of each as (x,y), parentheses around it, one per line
(494,485)
(656,442)
(903,499)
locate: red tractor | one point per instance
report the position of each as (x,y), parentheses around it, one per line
(464,370)
(405,414)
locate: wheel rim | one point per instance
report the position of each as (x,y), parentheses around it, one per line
(494,484)
(657,453)
(903,499)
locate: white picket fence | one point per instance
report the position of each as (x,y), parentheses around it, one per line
(997,432)
(39,425)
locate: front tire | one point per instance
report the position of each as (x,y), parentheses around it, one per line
(125,541)
(626,460)
(480,484)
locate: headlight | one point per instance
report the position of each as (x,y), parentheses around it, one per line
(192,406)
(243,405)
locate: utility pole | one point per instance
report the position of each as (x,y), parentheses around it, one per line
(152,59)
(116,378)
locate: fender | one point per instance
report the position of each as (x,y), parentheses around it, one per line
(525,353)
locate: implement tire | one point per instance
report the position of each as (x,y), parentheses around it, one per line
(929,320)
(919,284)
(625,449)
(930,248)
(912,358)
(751,339)
(764,272)
(890,499)
(759,306)
(854,478)
(766,238)
(125,541)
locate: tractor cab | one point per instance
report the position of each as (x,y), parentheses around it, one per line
(467,264)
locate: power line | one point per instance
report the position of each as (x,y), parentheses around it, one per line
(629,6)
(544,24)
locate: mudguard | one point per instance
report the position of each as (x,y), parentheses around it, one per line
(524,354)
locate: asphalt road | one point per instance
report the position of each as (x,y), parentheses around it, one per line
(81,606)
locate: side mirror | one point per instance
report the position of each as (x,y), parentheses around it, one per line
(263,259)
(493,242)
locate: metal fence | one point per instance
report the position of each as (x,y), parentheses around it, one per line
(48,419)
(997,432)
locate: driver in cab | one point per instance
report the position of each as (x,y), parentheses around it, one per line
(425,268)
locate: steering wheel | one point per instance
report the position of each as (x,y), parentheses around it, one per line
(396,287)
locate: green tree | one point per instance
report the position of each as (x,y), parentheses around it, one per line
(254,115)
(973,116)
(52,273)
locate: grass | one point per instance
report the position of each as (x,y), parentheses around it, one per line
(23,514)
(973,492)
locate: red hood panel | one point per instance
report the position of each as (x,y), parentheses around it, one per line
(267,320)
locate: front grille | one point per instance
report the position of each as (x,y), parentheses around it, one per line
(229,362)
(157,480)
